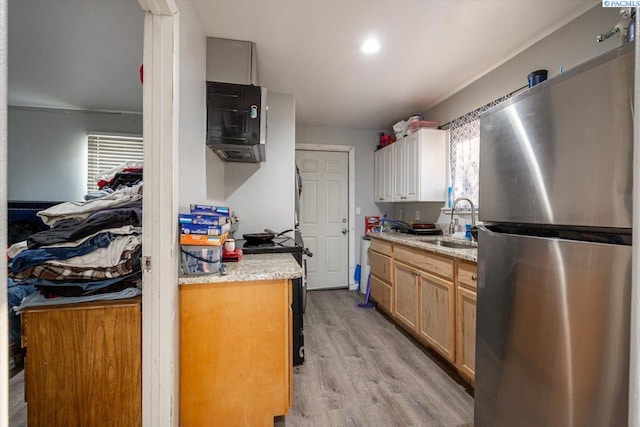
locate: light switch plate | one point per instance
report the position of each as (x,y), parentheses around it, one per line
(417,216)
(358,211)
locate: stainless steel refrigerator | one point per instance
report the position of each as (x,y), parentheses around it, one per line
(554,253)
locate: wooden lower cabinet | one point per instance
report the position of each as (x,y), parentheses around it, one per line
(406,296)
(430,295)
(83,364)
(437,314)
(235,353)
(466,333)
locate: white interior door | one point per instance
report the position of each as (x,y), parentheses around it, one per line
(324,216)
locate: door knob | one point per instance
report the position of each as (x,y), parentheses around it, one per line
(344,231)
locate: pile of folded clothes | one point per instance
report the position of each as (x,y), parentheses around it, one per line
(91,252)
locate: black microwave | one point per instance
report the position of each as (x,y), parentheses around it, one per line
(236,121)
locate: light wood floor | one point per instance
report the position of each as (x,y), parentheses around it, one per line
(360,370)
(17,405)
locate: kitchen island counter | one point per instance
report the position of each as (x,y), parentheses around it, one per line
(423,242)
(250,268)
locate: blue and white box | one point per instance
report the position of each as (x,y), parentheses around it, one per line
(201,219)
(209,230)
(209,210)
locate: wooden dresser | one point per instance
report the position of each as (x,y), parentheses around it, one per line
(83,364)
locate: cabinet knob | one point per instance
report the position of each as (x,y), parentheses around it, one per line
(474,277)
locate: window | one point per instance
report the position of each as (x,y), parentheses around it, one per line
(109,151)
(464,153)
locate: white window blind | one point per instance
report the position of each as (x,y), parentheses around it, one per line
(108,151)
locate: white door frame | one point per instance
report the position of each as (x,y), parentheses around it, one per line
(352,198)
(160,297)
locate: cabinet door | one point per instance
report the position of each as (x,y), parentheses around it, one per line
(466,345)
(378,176)
(383,175)
(399,175)
(437,311)
(406,295)
(411,169)
(431,158)
(388,177)
(84,364)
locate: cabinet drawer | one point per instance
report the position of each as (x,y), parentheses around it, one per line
(435,264)
(381,294)
(381,246)
(468,274)
(380,266)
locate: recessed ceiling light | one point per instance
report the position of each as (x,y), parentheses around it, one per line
(370,46)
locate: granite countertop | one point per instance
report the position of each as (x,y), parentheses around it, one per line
(251,267)
(422,242)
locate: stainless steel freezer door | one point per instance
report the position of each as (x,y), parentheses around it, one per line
(552,343)
(562,152)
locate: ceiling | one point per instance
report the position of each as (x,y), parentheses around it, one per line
(77,54)
(86,53)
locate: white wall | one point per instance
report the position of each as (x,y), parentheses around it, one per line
(201,172)
(567,47)
(262,194)
(365,142)
(47,150)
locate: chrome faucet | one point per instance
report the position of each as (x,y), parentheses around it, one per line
(453,207)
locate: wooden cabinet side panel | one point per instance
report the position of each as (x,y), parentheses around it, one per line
(235,352)
(84,366)
(437,315)
(466,333)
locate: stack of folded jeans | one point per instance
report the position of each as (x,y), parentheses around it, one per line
(92,248)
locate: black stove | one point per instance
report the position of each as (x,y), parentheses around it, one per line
(284,245)
(279,245)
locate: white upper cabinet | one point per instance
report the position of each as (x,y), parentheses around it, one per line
(418,168)
(384,174)
(399,177)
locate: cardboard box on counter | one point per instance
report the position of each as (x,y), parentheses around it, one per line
(203,240)
(202,219)
(209,210)
(210,230)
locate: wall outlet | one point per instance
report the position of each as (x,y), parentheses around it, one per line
(417,216)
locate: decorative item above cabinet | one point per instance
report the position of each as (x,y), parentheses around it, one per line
(413,169)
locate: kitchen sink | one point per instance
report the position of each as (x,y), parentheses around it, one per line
(453,245)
